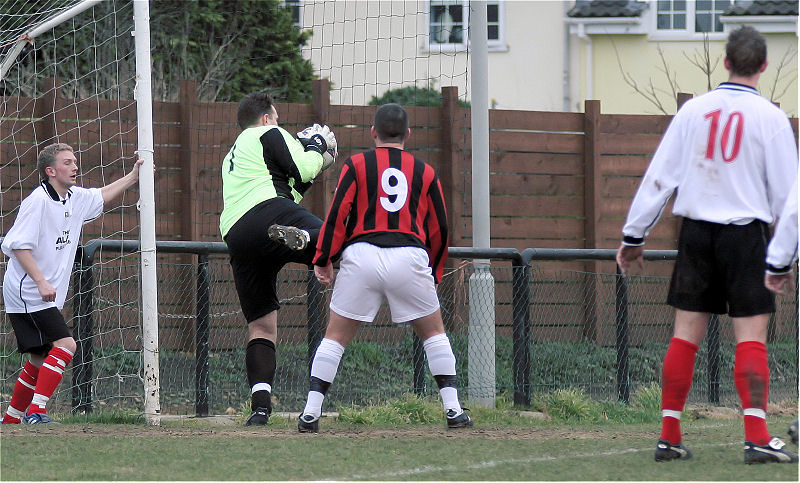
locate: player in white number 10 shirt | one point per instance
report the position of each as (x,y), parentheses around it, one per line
(730,158)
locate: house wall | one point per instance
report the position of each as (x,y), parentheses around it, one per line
(642,62)
(366,48)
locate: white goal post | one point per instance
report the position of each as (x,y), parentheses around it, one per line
(85,97)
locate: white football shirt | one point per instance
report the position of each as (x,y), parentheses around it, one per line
(782,249)
(51,228)
(731,156)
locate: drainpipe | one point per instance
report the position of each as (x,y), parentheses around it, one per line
(567,98)
(589,61)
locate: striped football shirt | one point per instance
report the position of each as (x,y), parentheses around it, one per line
(388,198)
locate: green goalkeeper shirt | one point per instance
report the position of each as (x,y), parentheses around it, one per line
(265,162)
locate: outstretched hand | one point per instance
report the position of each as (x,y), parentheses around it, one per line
(627,255)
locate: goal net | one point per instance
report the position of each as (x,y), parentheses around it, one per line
(326,62)
(69,76)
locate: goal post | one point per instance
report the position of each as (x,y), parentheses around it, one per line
(27,36)
(147,213)
(71,71)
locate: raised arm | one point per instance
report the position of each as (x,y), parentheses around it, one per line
(113,190)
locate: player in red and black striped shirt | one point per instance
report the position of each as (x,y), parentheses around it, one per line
(388,224)
(387,198)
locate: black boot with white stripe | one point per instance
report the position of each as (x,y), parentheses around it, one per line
(666,451)
(772,452)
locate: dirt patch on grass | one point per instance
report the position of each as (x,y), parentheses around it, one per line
(112,430)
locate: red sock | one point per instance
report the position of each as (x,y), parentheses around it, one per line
(751,374)
(50,375)
(676,380)
(22,395)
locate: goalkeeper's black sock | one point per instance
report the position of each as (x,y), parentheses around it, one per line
(260,362)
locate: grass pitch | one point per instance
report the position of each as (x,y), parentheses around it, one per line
(512,447)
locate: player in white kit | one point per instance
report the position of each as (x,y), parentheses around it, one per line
(730,158)
(41,247)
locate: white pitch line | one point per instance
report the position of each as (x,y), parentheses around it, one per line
(492,463)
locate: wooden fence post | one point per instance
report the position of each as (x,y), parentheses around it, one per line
(48,108)
(450,168)
(320,196)
(190,134)
(189,204)
(591,210)
(683,97)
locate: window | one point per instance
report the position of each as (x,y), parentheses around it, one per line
(700,16)
(296,8)
(448,24)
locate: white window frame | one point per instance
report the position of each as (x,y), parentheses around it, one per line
(299,5)
(498,45)
(687,33)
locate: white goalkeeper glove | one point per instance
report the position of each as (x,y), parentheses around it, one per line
(320,139)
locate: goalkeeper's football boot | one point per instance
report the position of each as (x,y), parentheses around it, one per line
(259,417)
(793,431)
(308,423)
(771,452)
(458,419)
(291,236)
(666,451)
(38,418)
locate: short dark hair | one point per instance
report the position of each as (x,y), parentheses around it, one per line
(47,158)
(746,51)
(391,123)
(252,107)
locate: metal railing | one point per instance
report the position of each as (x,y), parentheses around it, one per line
(315,325)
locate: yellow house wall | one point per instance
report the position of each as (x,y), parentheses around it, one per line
(641,61)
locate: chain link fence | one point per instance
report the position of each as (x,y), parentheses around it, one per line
(561,319)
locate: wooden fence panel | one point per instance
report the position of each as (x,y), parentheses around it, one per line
(539,182)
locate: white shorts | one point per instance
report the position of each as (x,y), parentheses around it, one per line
(367,273)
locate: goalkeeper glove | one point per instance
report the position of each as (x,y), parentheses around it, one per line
(320,139)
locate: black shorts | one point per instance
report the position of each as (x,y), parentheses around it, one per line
(36,331)
(720,269)
(256,260)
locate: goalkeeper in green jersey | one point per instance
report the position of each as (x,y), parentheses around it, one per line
(264,176)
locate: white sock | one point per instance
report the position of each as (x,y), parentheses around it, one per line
(324,367)
(442,361)
(326,360)
(440,355)
(314,403)
(450,399)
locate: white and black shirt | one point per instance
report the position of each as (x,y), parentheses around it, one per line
(50,227)
(731,156)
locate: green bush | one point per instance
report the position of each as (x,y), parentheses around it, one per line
(412,96)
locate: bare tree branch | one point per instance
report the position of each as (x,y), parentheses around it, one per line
(789,56)
(649,94)
(671,79)
(702,60)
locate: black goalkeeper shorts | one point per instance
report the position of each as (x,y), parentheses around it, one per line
(256,260)
(720,269)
